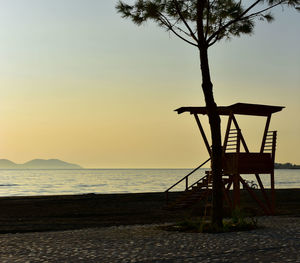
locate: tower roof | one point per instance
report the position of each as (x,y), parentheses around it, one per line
(238,108)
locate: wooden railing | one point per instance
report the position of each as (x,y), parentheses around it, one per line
(270,142)
(232,142)
(186,179)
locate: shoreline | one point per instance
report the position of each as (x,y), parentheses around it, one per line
(67,212)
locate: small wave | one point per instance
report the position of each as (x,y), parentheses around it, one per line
(3,185)
(290,182)
(90,185)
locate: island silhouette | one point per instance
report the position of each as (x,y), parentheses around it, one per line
(38,164)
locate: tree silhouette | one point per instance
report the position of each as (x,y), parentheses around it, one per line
(202,23)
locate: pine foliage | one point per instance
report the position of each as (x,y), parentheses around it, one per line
(220,18)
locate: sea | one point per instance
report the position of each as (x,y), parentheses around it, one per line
(107,181)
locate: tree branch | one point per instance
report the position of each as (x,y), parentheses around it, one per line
(184,21)
(183,31)
(232,21)
(264,10)
(169,26)
(213,41)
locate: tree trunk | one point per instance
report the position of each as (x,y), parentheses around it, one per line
(215,128)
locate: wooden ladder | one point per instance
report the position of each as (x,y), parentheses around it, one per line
(194,193)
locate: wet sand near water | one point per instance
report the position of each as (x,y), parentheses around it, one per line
(49,213)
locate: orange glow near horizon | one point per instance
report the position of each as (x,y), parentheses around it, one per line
(87,87)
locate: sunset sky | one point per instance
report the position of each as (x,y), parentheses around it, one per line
(83,85)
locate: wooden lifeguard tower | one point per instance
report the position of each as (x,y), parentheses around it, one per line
(237,159)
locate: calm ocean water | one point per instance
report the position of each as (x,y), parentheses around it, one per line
(54,182)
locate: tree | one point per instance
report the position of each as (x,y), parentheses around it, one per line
(202,23)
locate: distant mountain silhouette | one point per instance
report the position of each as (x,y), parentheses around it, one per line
(38,164)
(7,164)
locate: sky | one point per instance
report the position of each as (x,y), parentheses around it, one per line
(81,84)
